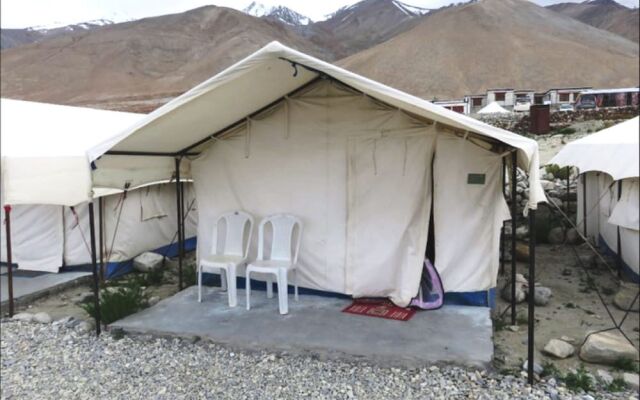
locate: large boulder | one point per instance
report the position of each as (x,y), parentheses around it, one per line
(521,293)
(625,297)
(558,348)
(607,348)
(573,237)
(42,317)
(632,380)
(23,316)
(148,261)
(556,236)
(542,295)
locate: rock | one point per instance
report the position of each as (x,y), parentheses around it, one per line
(573,237)
(632,380)
(604,377)
(588,260)
(23,316)
(85,327)
(42,317)
(153,300)
(567,272)
(568,339)
(556,236)
(63,321)
(548,176)
(625,296)
(537,368)
(542,295)
(513,328)
(547,184)
(607,348)
(522,251)
(148,261)
(522,232)
(559,349)
(521,294)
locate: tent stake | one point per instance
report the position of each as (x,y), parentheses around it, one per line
(94,264)
(7,215)
(101,236)
(179,221)
(514,214)
(532,286)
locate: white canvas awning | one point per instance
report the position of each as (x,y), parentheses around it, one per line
(187,123)
(47,150)
(613,150)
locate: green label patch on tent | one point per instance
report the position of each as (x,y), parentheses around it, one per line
(475,179)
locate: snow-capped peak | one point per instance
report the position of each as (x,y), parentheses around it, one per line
(281,13)
(410,10)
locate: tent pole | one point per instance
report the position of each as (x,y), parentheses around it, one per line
(179,221)
(182,218)
(584,204)
(532,285)
(7,215)
(514,214)
(502,235)
(619,246)
(94,264)
(568,189)
(101,236)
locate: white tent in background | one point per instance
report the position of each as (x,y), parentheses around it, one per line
(45,168)
(609,165)
(493,108)
(360,163)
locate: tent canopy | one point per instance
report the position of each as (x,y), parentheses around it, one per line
(187,124)
(46,150)
(493,108)
(613,150)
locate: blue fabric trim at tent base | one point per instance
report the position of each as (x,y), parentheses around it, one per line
(120,268)
(483,298)
(626,269)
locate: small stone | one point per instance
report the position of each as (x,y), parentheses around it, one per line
(153,300)
(85,327)
(42,317)
(537,368)
(147,261)
(542,295)
(63,321)
(513,328)
(573,237)
(559,349)
(567,272)
(604,376)
(556,236)
(607,348)
(626,295)
(23,316)
(522,232)
(568,339)
(521,294)
(547,184)
(522,251)
(632,380)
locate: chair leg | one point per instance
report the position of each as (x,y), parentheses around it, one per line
(223,279)
(231,286)
(248,288)
(199,284)
(269,288)
(282,291)
(295,284)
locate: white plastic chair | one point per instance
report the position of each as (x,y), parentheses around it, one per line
(234,254)
(281,260)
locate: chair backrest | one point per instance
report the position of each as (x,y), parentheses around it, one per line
(284,246)
(235,226)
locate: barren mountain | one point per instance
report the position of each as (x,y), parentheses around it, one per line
(140,64)
(604,14)
(18,37)
(363,25)
(278,13)
(498,43)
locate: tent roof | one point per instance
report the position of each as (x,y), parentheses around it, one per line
(613,150)
(263,78)
(493,108)
(42,142)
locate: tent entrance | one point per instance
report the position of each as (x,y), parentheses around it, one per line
(389,203)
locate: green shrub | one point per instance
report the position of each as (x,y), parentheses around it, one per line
(118,302)
(154,277)
(617,385)
(550,370)
(189,275)
(559,173)
(579,380)
(565,131)
(626,364)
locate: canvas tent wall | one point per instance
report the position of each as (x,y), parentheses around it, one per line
(44,158)
(358,161)
(608,189)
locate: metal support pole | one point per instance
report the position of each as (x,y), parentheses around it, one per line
(568,189)
(514,216)
(94,264)
(584,205)
(619,246)
(7,222)
(101,236)
(532,284)
(183,216)
(179,217)
(502,234)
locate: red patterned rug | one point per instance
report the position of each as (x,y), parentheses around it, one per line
(380,308)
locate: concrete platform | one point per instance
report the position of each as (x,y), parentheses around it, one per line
(29,288)
(453,335)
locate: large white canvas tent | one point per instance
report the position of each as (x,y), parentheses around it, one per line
(609,165)
(45,167)
(363,165)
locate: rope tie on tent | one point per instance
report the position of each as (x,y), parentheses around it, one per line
(77,219)
(120,205)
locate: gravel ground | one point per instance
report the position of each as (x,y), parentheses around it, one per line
(53,361)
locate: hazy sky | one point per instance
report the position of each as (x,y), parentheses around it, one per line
(24,13)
